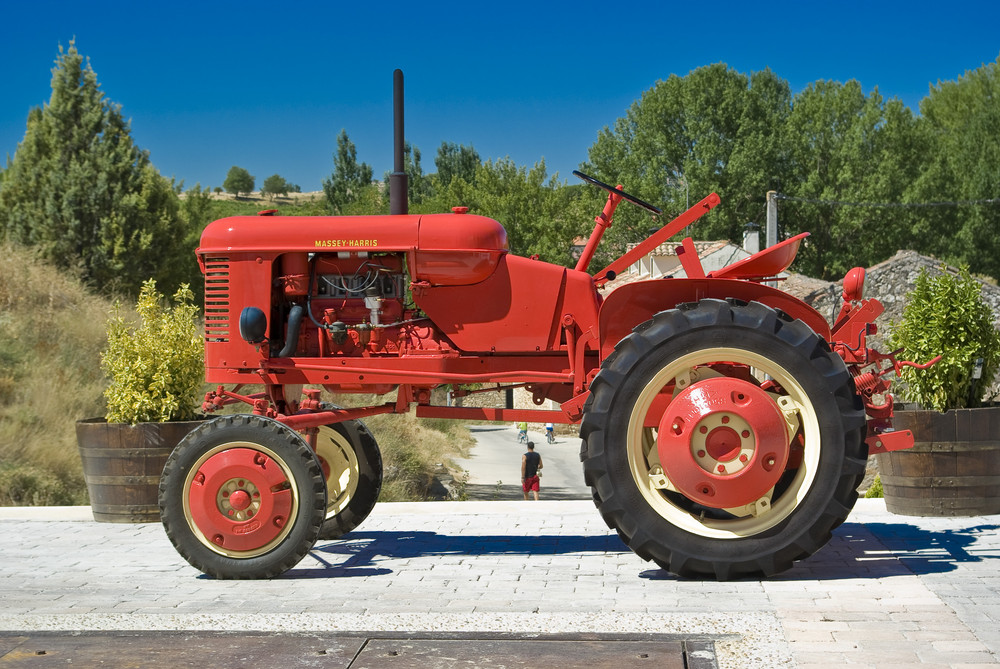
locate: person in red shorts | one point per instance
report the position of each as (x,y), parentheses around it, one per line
(531,463)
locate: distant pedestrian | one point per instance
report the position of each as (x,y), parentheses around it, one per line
(531,465)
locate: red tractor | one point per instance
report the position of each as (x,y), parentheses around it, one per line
(725,425)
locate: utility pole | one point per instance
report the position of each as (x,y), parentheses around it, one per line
(772,219)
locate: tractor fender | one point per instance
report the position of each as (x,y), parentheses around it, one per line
(634,303)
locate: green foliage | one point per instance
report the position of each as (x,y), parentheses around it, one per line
(368,201)
(80,191)
(197,208)
(238,180)
(23,484)
(844,146)
(740,136)
(454,160)
(960,135)
(534,208)
(349,177)
(274,186)
(156,367)
(875,490)
(418,186)
(946,315)
(714,130)
(460,489)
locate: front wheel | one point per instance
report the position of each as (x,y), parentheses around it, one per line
(352,467)
(242,497)
(723,439)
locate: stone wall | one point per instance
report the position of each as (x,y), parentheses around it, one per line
(889,282)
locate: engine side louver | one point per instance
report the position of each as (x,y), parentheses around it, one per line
(217,316)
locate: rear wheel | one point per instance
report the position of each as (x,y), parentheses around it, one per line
(242,497)
(723,439)
(352,467)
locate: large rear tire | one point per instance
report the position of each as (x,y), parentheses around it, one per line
(723,439)
(242,497)
(352,467)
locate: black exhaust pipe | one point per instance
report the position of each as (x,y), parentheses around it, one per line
(398,186)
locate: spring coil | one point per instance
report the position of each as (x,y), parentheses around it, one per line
(868,383)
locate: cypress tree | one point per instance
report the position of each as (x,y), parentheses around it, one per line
(81,192)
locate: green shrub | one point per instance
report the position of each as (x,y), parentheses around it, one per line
(875,490)
(946,315)
(29,485)
(156,367)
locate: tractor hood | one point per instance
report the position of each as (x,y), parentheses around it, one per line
(429,232)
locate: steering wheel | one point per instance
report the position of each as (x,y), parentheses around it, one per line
(611,189)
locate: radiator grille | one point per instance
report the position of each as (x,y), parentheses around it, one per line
(217,316)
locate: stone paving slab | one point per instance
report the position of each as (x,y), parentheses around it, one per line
(887,591)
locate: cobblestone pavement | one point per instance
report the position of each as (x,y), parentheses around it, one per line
(888,591)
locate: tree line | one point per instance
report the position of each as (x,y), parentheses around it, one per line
(833,152)
(864,174)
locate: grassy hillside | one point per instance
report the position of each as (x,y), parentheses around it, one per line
(53,331)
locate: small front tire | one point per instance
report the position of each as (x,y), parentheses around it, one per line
(242,497)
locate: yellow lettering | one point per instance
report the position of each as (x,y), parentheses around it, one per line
(345,242)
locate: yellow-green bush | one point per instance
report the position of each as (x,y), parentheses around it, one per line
(875,490)
(946,315)
(156,366)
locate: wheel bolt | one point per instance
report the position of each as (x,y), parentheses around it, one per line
(744,458)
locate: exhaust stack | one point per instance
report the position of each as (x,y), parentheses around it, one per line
(398,186)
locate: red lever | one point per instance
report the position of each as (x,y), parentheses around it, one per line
(907,363)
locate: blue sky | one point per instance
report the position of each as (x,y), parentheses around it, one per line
(268,85)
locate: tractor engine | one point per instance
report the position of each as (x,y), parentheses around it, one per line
(349,304)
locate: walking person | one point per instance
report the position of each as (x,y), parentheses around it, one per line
(531,464)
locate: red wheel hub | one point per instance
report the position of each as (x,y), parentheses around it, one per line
(723,442)
(240,499)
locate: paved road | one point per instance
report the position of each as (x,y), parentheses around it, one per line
(888,591)
(494,465)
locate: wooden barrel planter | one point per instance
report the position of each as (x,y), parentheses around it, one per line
(122,465)
(953,468)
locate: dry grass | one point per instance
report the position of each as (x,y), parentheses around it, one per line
(53,332)
(413,451)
